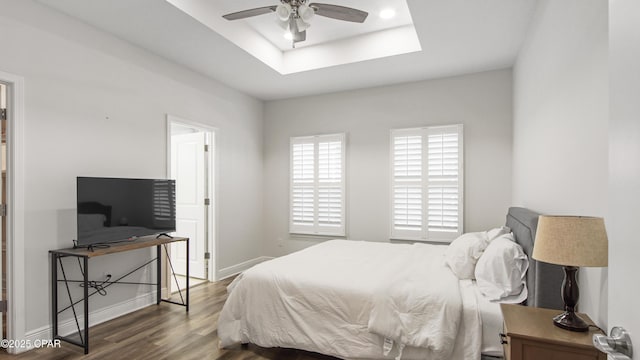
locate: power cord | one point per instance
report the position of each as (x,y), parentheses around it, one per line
(99,285)
(598,327)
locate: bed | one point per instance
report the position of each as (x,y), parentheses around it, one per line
(367,300)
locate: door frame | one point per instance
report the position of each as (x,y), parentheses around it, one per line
(16,312)
(212,184)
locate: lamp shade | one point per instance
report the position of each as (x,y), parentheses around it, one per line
(571,241)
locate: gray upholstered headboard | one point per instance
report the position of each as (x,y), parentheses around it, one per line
(544,281)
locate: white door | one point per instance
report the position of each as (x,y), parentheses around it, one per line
(624,168)
(2,232)
(188,169)
(3,162)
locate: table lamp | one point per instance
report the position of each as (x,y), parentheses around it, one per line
(571,241)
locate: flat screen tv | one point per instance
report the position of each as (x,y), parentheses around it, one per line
(115,209)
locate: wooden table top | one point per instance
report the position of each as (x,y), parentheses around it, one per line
(139,243)
(537,323)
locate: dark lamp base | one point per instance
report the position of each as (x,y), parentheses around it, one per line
(570,321)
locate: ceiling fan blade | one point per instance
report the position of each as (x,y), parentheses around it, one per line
(249,13)
(340,12)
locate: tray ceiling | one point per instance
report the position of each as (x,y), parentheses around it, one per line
(455,37)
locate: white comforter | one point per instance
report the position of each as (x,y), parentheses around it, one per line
(420,304)
(343,298)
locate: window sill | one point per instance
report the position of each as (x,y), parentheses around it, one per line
(428,241)
(323,236)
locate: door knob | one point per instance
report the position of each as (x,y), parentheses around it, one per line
(617,345)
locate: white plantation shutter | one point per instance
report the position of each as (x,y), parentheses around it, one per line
(427,183)
(329,206)
(407,201)
(302,184)
(317,185)
(408,207)
(330,183)
(443,182)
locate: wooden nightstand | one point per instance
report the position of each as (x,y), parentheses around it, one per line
(529,334)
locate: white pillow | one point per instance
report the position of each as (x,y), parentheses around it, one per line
(494,233)
(501,271)
(463,253)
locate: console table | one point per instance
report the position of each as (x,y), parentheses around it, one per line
(84,254)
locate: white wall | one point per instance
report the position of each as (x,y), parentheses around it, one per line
(96,106)
(624,166)
(482,102)
(560,140)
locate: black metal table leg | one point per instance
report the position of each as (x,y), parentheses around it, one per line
(159,274)
(188,260)
(54,295)
(86,305)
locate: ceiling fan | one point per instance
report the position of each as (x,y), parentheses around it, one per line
(294,15)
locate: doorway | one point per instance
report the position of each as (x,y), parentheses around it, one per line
(3,197)
(13,290)
(191,164)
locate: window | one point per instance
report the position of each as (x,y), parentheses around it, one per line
(317,185)
(427,183)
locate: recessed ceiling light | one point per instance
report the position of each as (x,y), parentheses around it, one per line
(288,35)
(387,13)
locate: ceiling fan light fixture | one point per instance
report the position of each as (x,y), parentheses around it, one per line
(302,26)
(283,24)
(293,26)
(283,11)
(294,16)
(288,35)
(305,12)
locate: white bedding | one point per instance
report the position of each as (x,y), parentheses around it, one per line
(407,310)
(492,320)
(321,299)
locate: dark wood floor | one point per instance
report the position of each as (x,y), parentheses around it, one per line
(166,331)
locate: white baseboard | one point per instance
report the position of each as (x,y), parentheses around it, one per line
(96,317)
(238,268)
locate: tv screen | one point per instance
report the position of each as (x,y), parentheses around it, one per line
(113,210)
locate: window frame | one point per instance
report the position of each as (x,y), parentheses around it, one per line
(424,235)
(317,229)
